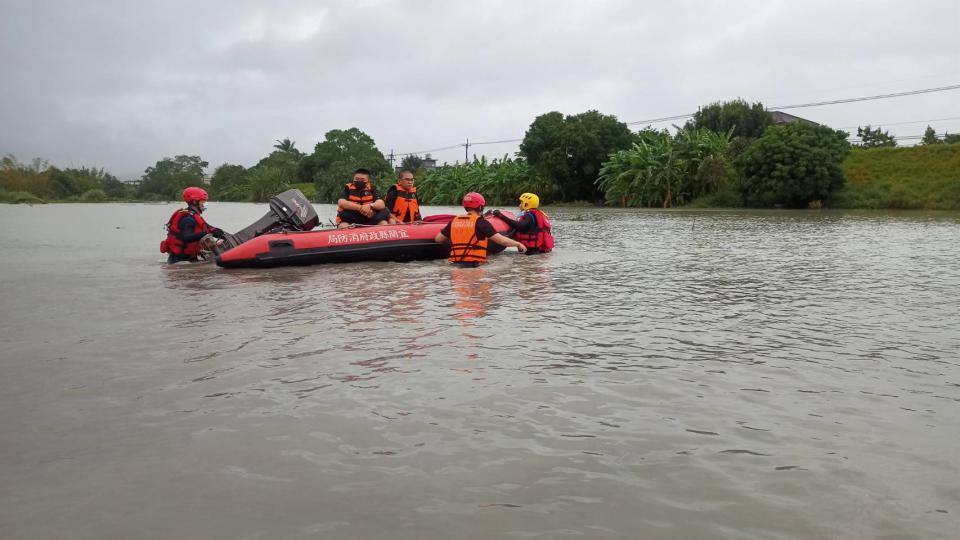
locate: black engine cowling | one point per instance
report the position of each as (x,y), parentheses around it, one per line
(289,211)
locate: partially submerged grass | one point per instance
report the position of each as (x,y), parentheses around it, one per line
(19,197)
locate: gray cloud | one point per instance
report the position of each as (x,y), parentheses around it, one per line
(121,85)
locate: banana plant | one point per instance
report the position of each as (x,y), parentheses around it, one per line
(664,171)
(501,181)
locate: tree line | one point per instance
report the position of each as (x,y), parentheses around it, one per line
(728,154)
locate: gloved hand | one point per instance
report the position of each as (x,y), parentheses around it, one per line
(217,232)
(496,212)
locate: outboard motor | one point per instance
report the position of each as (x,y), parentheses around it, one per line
(289,211)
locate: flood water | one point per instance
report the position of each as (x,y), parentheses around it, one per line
(660,375)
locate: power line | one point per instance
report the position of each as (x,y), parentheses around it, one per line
(868,98)
(817,103)
(898,138)
(496,142)
(884,124)
(451,147)
(663,119)
(466,145)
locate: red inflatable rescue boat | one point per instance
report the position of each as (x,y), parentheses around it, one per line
(400,243)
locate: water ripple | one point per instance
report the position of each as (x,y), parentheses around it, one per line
(662,374)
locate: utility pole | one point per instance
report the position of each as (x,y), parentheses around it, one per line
(391,158)
(466,152)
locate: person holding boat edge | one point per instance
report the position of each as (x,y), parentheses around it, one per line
(468,234)
(532,229)
(403,201)
(360,204)
(186,228)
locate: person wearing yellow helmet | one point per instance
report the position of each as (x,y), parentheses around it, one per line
(532,228)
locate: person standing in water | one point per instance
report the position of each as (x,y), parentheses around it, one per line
(532,228)
(468,234)
(186,227)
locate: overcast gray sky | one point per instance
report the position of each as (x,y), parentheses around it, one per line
(122,84)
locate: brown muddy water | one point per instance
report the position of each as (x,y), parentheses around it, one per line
(660,375)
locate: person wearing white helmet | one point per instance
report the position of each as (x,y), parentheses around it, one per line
(468,234)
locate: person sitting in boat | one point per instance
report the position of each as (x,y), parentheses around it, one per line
(360,204)
(468,234)
(186,227)
(403,201)
(532,228)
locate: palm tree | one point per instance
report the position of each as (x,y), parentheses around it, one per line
(286,145)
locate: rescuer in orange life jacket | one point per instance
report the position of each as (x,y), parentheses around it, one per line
(469,233)
(532,229)
(402,200)
(360,204)
(186,227)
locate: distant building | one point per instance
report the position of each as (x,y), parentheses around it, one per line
(428,163)
(780,117)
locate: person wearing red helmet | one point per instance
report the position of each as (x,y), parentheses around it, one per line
(186,227)
(468,234)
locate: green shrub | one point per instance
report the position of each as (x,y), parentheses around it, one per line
(266,181)
(308,189)
(93,195)
(20,197)
(727,197)
(33,177)
(793,164)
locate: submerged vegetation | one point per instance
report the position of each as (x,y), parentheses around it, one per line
(500,181)
(730,154)
(665,171)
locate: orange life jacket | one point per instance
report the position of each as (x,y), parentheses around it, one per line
(406,208)
(174,244)
(464,245)
(540,238)
(357,195)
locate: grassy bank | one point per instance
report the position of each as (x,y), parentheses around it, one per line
(918,177)
(19,197)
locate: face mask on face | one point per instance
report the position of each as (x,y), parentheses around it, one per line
(202,206)
(360,183)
